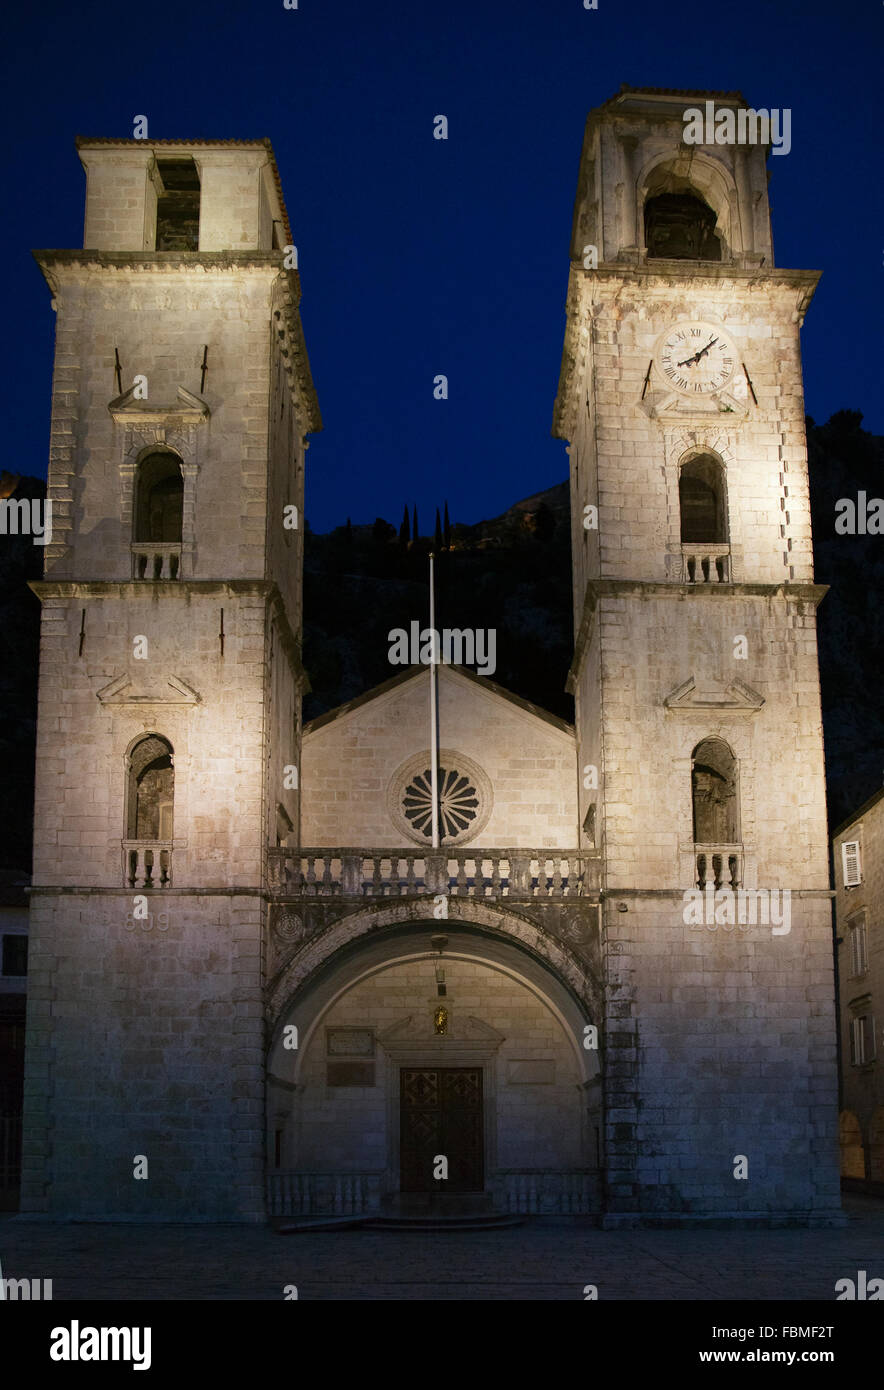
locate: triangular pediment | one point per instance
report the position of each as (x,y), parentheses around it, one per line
(735,697)
(672,405)
(419,1028)
(186,409)
(414,1039)
(123,690)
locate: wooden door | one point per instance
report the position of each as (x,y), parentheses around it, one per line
(441,1113)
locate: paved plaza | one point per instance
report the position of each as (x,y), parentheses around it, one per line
(539,1260)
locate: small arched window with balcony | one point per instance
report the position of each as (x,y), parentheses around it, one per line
(716,813)
(702,502)
(159,512)
(150,801)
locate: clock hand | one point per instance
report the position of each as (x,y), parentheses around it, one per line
(688,360)
(703,351)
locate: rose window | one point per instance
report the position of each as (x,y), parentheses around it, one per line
(464,794)
(458,803)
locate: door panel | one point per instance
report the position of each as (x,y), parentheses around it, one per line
(441,1113)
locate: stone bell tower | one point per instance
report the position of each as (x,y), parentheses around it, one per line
(695,673)
(170,681)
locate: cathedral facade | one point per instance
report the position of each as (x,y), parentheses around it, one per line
(257,988)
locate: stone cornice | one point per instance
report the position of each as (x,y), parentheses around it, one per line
(662,276)
(55,262)
(582,640)
(297,350)
(77,891)
(134,588)
(677,894)
(805,592)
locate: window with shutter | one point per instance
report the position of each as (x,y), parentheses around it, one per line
(862,1040)
(850,863)
(868,1024)
(857,937)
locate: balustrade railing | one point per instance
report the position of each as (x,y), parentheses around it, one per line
(706,564)
(537,1193)
(322,1194)
(291,1193)
(391,873)
(147,863)
(159,561)
(719,865)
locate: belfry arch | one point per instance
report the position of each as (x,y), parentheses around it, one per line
(518,1011)
(694,176)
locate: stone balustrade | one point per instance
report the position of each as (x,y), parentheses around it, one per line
(323,1194)
(527,1191)
(147,863)
(706,564)
(534,1192)
(158,561)
(394,873)
(719,865)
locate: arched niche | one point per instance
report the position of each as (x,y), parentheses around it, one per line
(714,793)
(159,498)
(702,499)
(150,789)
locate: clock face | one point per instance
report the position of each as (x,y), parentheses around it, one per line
(697,358)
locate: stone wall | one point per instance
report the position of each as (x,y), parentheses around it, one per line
(218,739)
(145,1038)
(719,1042)
(159,325)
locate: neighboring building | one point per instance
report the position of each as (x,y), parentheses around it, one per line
(13,993)
(252,971)
(858,853)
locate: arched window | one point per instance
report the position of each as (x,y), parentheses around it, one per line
(151,791)
(714,793)
(680,226)
(159,500)
(701,499)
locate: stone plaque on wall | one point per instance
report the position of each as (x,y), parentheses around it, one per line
(349,1042)
(533,1071)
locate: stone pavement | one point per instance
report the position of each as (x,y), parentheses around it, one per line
(540,1260)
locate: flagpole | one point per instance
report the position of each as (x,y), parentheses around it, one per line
(434,760)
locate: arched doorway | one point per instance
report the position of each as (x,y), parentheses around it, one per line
(876,1146)
(853,1161)
(433,1041)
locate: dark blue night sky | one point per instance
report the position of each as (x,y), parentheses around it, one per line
(419,256)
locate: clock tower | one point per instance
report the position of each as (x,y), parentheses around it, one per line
(695,674)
